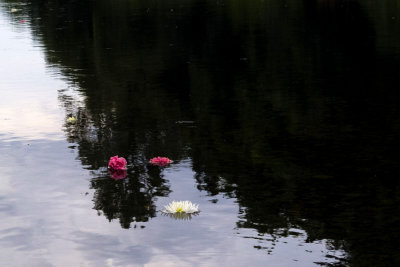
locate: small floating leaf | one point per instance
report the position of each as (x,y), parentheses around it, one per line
(71,120)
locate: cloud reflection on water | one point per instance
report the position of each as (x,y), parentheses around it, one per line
(28,102)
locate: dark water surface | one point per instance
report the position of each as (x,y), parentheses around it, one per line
(281,117)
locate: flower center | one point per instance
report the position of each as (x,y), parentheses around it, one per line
(179,209)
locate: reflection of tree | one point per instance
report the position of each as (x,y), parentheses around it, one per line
(129,199)
(320,159)
(294,110)
(128,196)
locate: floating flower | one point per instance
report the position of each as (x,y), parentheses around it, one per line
(117,163)
(118,174)
(14,10)
(160,161)
(181,207)
(71,120)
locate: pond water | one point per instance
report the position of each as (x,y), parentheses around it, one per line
(281,118)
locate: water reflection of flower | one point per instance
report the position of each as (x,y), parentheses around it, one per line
(180,215)
(118,174)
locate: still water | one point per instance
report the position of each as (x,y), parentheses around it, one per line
(281,117)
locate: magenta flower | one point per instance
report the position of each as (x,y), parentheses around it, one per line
(117,174)
(160,161)
(117,163)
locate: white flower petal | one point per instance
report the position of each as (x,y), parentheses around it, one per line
(181,207)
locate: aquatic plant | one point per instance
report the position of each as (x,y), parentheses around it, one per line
(181,207)
(160,161)
(71,120)
(117,163)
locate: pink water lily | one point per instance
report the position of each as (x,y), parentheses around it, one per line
(160,161)
(117,163)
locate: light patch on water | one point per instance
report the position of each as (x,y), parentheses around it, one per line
(29,107)
(28,121)
(5,186)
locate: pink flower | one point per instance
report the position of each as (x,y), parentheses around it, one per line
(117,163)
(117,174)
(160,161)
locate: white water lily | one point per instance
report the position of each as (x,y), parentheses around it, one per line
(181,207)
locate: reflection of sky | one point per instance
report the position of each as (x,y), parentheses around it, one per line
(28,102)
(48,220)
